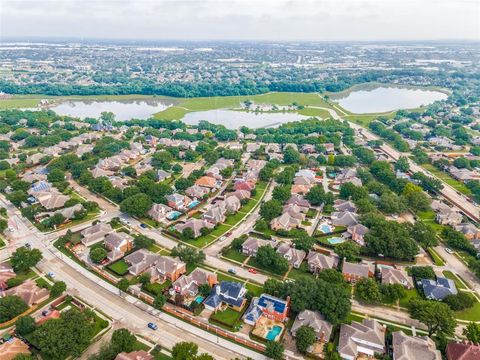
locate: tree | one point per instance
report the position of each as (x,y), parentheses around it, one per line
(304,338)
(24,325)
(402,164)
(185,351)
(123,284)
(424,234)
(123,341)
(392,292)
(143,242)
(436,315)
(145,278)
(472,332)
(318,196)
(204,289)
(347,250)
(98,254)
(56,175)
(159,301)
(367,290)
(269,259)
(188,254)
(304,243)
(281,193)
(274,350)
(291,156)
(415,198)
(11,306)
(68,336)
(270,209)
(23,259)
(390,203)
(136,205)
(422,272)
(58,288)
(188,234)
(460,301)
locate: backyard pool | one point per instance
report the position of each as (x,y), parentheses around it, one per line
(274,332)
(173,215)
(326,229)
(193,204)
(336,240)
(199,299)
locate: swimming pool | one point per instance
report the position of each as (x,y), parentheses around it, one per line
(274,332)
(336,240)
(199,299)
(173,215)
(193,204)
(326,229)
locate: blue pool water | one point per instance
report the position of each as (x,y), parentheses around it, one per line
(173,215)
(199,299)
(193,204)
(325,228)
(274,332)
(336,240)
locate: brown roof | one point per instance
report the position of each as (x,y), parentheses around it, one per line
(134,355)
(462,351)
(29,292)
(10,349)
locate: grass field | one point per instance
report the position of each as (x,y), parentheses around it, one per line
(235,255)
(410,294)
(449,275)
(227,317)
(18,103)
(471,314)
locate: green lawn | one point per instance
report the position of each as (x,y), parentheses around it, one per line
(228,317)
(296,274)
(157,288)
(324,114)
(449,275)
(410,294)
(437,259)
(140,346)
(18,103)
(256,290)
(472,314)
(2,243)
(235,255)
(225,277)
(120,267)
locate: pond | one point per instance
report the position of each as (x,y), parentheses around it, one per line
(123,110)
(384,99)
(233,119)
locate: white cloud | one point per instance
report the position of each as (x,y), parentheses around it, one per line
(242,19)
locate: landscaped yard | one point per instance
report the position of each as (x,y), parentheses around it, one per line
(442,175)
(449,275)
(157,288)
(235,255)
(410,294)
(120,267)
(471,314)
(228,317)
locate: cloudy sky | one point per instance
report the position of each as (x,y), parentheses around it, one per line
(242,19)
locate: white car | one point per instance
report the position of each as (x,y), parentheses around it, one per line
(448,250)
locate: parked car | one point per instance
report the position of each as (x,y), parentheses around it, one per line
(448,250)
(232,271)
(152,326)
(51,274)
(253,271)
(142,225)
(28,246)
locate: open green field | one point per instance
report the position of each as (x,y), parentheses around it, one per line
(18,103)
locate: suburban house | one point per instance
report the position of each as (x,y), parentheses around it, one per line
(167,268)
(232,204)
(29,292)
(470,231)
(344,205)
(344,218)
(318,261)
(392,276)
(140,261)
(95,233)
(163,175)
(240,195)
(159,212)
(49,199)
(187,285)
(215,215)
(229,293)
(6,273)
(178,201)
(208,182)
(293,256)
(366,338)
(197,192)
(322,328)
(291,217)
(462,351)
(445,214)
(135,355)
(439,289)
(300,202)
(118,243)
(9,350)
(411,347)
(356,233)
(196,225)
(352,272)
(244,185)
(251,245)
(267,306)
(463,174)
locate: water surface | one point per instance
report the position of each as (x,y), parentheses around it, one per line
(123,110)
(384,99)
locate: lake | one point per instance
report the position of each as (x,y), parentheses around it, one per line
(232,119)
(385,99)
(123,110)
